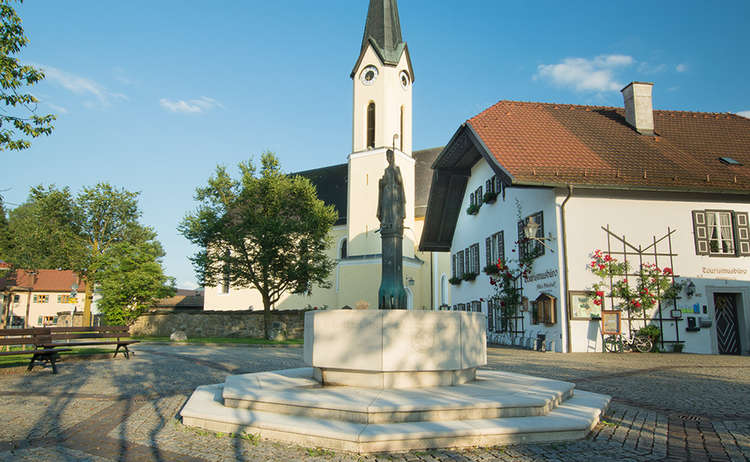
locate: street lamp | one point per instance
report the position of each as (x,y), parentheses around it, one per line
(530,230)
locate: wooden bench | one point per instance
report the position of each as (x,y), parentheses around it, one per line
(89,336)
(31,337)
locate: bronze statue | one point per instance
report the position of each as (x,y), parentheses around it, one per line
(391,213)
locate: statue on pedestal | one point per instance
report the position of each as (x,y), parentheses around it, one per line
(391,213)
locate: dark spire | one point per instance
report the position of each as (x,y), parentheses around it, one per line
(383,31)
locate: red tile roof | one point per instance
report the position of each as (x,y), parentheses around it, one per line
(542,143)
(45,281)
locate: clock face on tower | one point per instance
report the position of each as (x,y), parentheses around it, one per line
(368,75)
(403,76)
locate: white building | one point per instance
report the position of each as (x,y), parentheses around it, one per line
(661,187)
(382,84)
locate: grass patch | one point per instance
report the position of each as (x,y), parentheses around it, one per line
(320,452)
(227,340)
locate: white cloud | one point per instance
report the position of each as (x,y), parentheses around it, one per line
(648,68)
(56,108)
(193,106)
(744,114)
(681,68)
(583,74)
(82,86)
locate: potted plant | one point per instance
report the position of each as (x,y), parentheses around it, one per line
(470,276)
(473,209)
(490,197)
(491,269)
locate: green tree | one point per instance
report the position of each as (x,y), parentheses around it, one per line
(20,118)
(265,231)
(4,233)
(131,279)
(53,229)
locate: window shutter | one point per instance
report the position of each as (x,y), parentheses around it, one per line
(488,185)
(521,237)
(742,233)
(700,232)
(488,250)
(479,195)
(471,199)
(501,245)
(534,312)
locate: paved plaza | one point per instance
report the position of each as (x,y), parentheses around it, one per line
(664,407)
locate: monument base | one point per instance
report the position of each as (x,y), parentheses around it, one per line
(395,348)
(411,379)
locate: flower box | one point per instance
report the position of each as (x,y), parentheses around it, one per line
(491,269)
(490,197)
(470,276)
(455,281)
(473,209)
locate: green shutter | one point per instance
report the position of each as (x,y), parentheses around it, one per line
(742,233)
(488,249)
(700,232)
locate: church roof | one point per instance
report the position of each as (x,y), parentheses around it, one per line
(331,183)
(383,32)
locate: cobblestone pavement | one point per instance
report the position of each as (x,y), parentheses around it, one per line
(665,407)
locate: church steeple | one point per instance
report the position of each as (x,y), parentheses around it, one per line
(383,32)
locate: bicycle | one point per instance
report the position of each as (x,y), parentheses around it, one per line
(616,344)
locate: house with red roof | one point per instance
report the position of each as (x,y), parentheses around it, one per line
(605,204)
(35,298)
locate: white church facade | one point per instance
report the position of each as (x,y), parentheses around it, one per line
(382,80)
(663,188)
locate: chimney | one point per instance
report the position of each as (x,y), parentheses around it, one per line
(639,107)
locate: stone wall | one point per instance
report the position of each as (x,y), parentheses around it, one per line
(286,324)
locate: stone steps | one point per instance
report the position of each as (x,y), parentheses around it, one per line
(295,392)
(498,408)
(571,420)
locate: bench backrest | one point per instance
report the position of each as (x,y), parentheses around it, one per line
(33,336)
(71,333)
(45,335)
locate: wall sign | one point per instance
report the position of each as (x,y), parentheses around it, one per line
(611,322)
(581,305)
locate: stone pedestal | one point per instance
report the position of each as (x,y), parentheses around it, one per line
(394,348)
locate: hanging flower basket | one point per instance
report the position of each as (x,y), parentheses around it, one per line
(470,276)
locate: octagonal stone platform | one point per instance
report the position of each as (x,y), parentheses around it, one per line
(496,408)
(395,348)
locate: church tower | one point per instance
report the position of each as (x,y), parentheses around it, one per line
(382,81)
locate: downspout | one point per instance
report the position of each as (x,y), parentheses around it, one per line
(433,280)
(565,267)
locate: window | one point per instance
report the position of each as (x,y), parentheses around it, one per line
(371,125)
(721,233)
(63,299)
(41,298)
(535,248)
(16,298)
(474,258)
(459,267)
(495,248)
(543,310)
(476,306)
(343,253)
(401,138)
(461,307)
(46,320)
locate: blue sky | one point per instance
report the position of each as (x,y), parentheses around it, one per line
(152,95)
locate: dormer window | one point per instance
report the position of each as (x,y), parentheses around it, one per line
(730,161)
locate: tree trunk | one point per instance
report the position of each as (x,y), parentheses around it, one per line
(28,307)
(266,317)
(87,303)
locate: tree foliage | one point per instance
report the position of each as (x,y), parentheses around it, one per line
(266,230)
(131,280)
(18,119)
(87,233)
